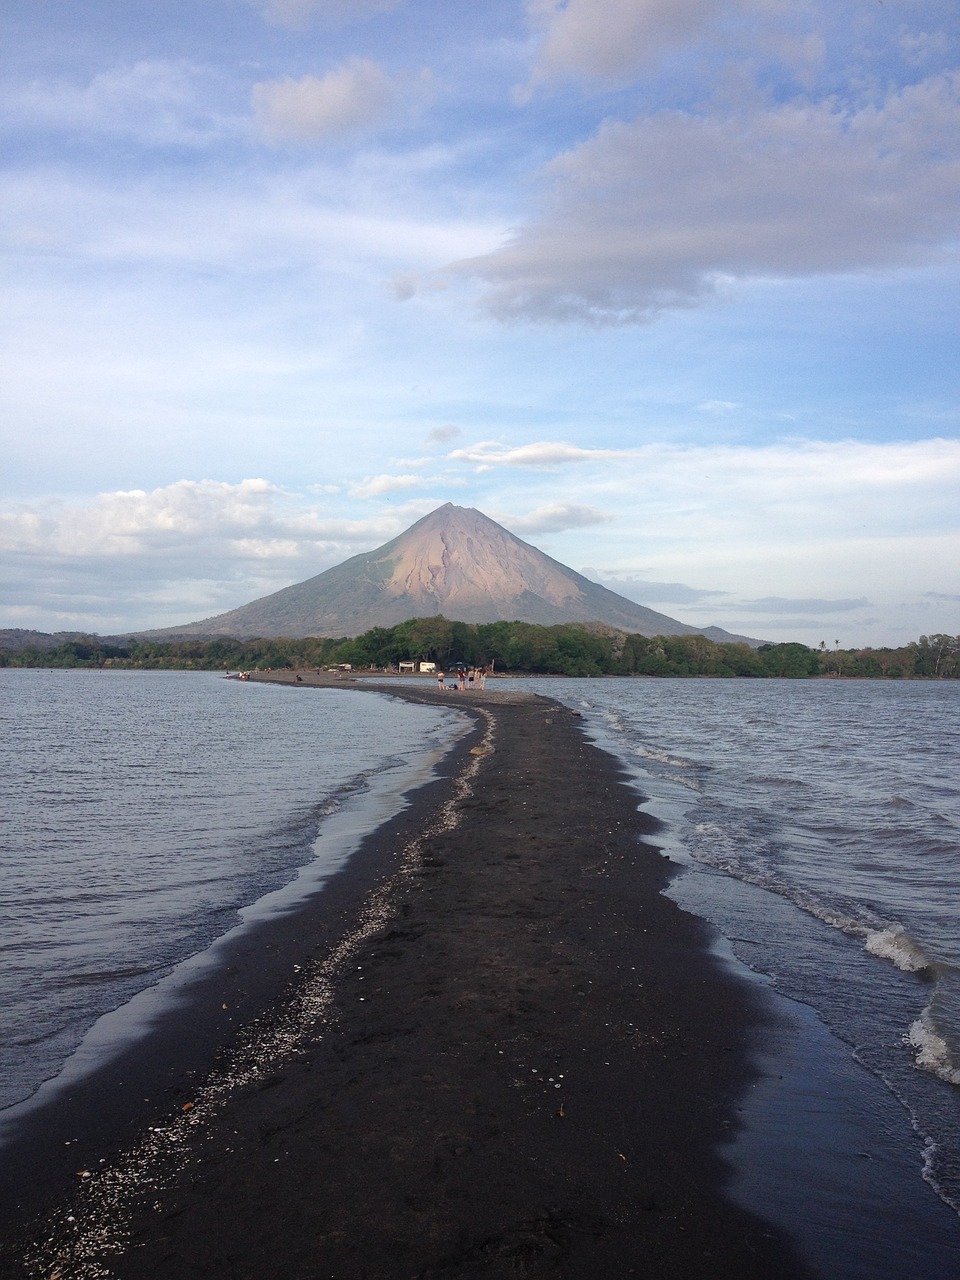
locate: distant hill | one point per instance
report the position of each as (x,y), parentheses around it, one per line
(16,638)
(455,561)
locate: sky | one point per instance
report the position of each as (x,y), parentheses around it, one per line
(669,288)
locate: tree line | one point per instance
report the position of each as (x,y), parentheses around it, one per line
(569,649)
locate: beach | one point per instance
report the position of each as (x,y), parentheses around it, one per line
(489,1047)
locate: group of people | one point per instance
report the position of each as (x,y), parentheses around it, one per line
(464,678)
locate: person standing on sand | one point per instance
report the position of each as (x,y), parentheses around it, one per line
(440,681)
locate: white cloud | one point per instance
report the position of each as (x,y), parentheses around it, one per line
(555,518)
(158,101)
(184,520)
(604,44)
(924,46)
(354,98)
(314,215)
(648,591)
(809,523)
(544,453)
(376,486)
(798,490)
(718,406)
(661,211)
(190,549)
(609,41)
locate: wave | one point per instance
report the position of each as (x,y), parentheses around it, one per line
(887,940)
(775,780)
(807,901)
(662,757)
(933,1053)
(894,943)
(932,1153)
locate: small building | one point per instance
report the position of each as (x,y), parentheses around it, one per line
(403,667)
(428,667)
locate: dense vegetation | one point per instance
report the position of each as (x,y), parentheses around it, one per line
(570,650)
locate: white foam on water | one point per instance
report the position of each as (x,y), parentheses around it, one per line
(725,853)
(931,1154)
(610,718)
(887,940)
(662,757)
(933,1054)
(710,829)
(896,945)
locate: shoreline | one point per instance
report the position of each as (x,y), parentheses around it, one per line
(205,1006)
(510,1052)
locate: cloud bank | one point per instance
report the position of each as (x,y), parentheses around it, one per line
(649,591)
(187,549)
(665,210)
(544,453)
(556,517)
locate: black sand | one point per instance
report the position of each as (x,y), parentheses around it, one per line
(505,1054)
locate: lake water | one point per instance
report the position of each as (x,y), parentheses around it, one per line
(818,825)
(147,813)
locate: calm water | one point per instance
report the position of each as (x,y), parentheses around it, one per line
(819,825)
(143,811)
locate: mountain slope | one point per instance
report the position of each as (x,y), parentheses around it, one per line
(455,561)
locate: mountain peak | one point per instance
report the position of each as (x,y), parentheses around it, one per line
(455,561)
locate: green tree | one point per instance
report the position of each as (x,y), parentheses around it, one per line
(934,655)
(791,660)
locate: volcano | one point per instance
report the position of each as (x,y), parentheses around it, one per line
(455,561)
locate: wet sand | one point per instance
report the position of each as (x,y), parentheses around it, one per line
(503,1052)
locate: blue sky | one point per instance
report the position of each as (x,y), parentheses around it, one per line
(668,287)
